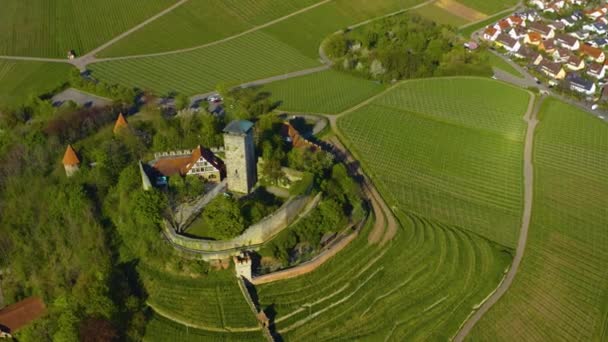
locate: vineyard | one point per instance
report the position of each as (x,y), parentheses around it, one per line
(200,22)
(560,292)
(435,13)
(18,80)
(161,329)
(325,92)
(49,28)
(427,281)
(201,70)
(447,149)
(214,302)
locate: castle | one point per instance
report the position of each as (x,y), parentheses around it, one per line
(240,156)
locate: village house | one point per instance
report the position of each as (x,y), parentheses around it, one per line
(561,55)
(548,46)
(200,162)
(518,32)
(515,20)
(597,27)
(533,57)
(596,70)
(582,35)
(598,42)
(490,34)
(594,54)
(502,25)
(508,43)
(581,85)
(533,38)
(545,31)
(567,42)
(575,63)
(551,69)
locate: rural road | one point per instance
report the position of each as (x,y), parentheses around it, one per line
(531,119)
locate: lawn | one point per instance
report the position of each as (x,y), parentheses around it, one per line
(501,64)
(470,29)
(50,28)
(489,6)
(250,57)
(19,80)
(450,150)
(324,92)
(161,329)
(420,288)
(560,291)
(439,15)
(213,301)
(203,21)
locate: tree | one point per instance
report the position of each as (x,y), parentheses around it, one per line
(336,46)
(224,215)
(181,102)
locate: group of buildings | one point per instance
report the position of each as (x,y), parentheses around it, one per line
(563,39)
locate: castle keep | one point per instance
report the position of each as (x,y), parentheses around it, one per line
(240,156)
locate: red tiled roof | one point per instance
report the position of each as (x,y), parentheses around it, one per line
(591,51)
(181,165)
(69,157)
(18,315)
(120,123)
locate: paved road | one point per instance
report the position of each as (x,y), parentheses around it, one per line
(81,98)
(531,119)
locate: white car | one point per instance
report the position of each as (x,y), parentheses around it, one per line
(594,107)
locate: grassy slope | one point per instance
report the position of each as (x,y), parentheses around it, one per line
(499,63)
(560,292)
(214,301)
(470,29)
(422,288)
(489,6)
(325,92)
(18,80)
(447,149)
(439,15)
(203,21)
(201,70)
(50,28)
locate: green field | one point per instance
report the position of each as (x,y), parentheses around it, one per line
(161,329)
(203,21)
(306,31)
(489,6)
(470,29)
(447,149)
(19,80)
(421,287)
(439,15)
(213,302)
(50,28)
(560,292)
(253,56)
(324,92)
(501,64)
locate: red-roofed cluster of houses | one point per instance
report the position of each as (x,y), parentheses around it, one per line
(553,46)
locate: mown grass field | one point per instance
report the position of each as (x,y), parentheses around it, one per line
(203,21)
(447,149)
(19,80)
(324,92)
(161,329)
(500,63)
(440,15)
(489,6)
(560,292)
(420,287)
(251,57)
(50,28)
(212,302)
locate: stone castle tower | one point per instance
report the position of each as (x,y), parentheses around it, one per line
(240,157)
(242,266)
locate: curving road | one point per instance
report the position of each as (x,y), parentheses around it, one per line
(531,119)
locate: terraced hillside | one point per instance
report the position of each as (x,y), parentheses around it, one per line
(419,287)
(160,329)
(49,28)
(560,292)
(324,92)
(447,149)
(19,80)
(213,303)
(202,21)
(250,57)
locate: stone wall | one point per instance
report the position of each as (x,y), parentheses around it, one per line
(255,235)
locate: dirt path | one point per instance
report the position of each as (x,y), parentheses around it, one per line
(531,119)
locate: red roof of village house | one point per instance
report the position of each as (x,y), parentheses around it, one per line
(504,24)
(18,315)
(120,123)
(490,31)
(181,165)
(69,157)
(516,20)
(534,37)
(591,51)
